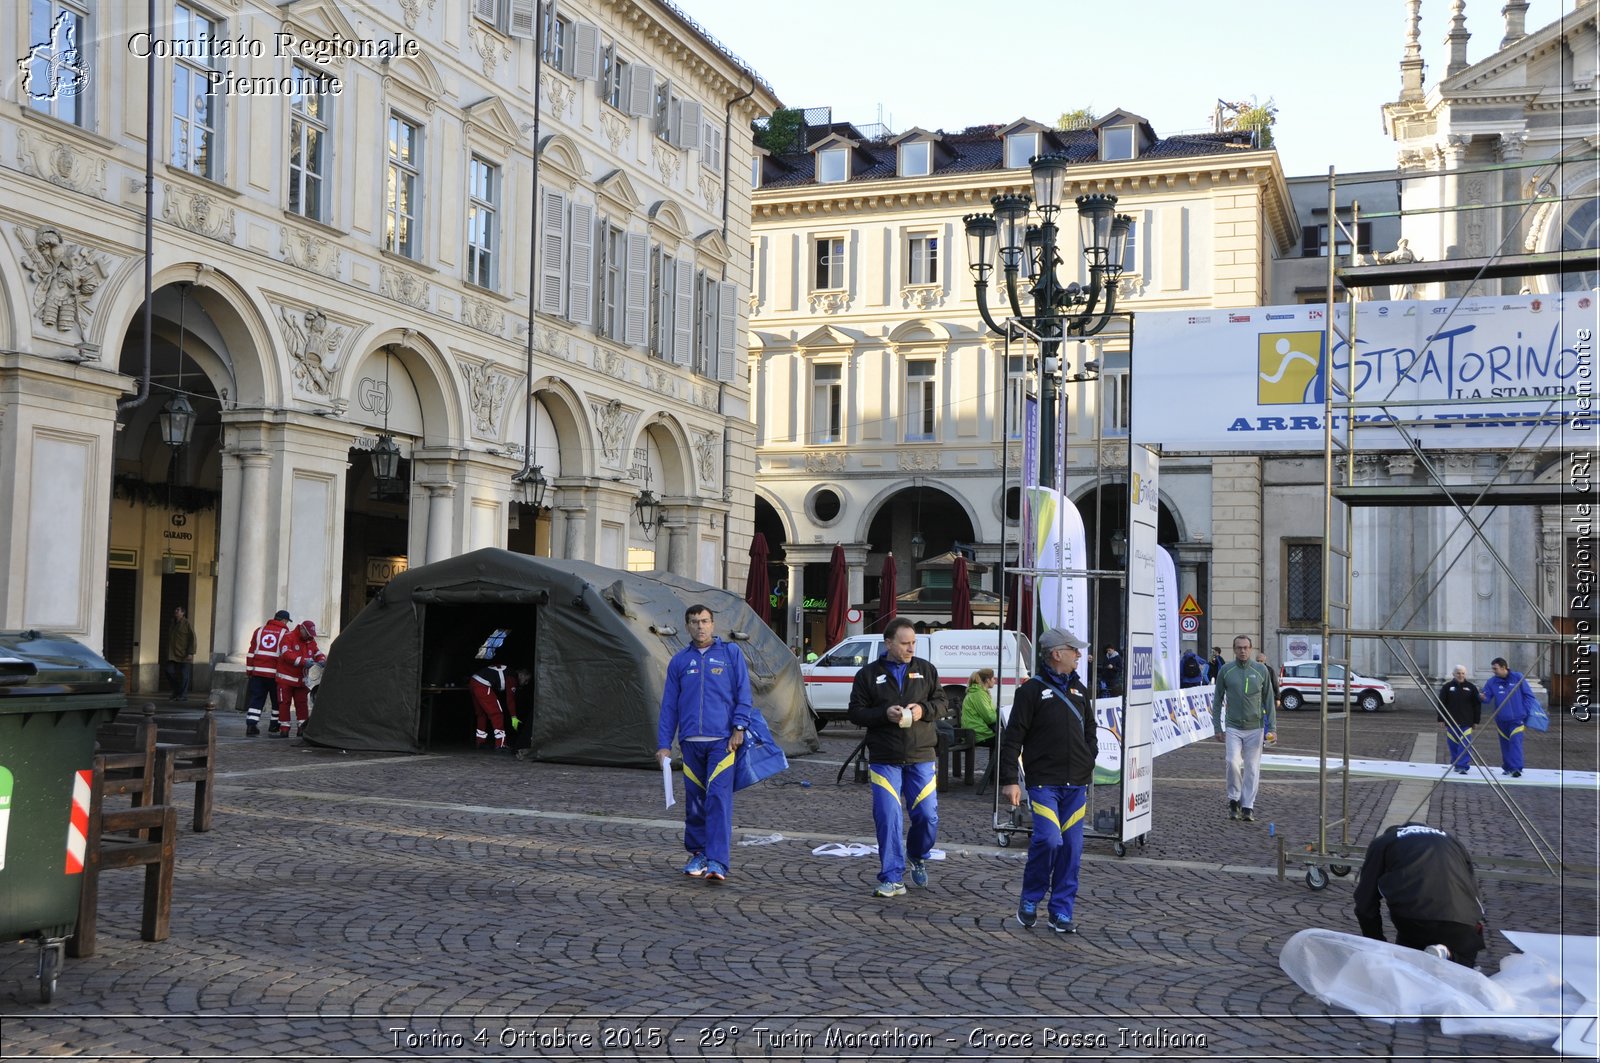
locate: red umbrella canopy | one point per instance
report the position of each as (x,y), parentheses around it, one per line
(960,595)
(888,590)
(838,597)
(756,594)
(1019,607)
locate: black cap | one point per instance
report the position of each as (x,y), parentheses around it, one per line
(281,614)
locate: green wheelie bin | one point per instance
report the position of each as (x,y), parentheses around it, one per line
(54,692)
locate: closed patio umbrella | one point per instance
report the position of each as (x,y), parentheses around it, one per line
(756,593)
(960,595)
(888,591)
(838,593)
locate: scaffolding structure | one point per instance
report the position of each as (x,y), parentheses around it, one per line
(1345,419)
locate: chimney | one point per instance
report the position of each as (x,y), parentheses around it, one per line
(1411,61)
(1457,38)
(1516,15)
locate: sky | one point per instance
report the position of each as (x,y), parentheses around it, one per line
(1328,66)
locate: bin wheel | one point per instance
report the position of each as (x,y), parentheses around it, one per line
(1002,839)
(49,968)
(1316,878)
(1119,848)
(1339,869)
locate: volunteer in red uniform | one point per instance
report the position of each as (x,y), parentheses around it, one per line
(261,665)
(299,650)
(494,699)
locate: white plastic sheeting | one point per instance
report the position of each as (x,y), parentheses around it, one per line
(1541,994)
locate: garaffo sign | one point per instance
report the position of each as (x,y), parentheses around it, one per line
(1266,371)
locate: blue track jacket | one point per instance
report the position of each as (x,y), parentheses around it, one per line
(707,694)
(1513,698)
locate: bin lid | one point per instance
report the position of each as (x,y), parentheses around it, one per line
(34,663)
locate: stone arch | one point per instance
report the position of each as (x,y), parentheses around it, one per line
(668,216)
(887,492)
(439,397)
(564,412)
(235,327)
(672,442)
(785,514)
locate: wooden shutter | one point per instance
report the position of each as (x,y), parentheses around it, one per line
(727,322)
(580,265)
(640,95)
(585,49)
(636,310)
(522,24)
(686,131)
(683,315)
(552,241)
(488,10)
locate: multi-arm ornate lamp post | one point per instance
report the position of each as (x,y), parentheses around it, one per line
(1028,258)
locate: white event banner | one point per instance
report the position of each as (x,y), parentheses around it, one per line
(1264,372)
(1181,718)
(1143,648)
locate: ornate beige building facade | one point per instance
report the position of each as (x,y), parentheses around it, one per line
(344,242)
(887,412)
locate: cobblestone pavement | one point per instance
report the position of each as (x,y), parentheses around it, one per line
(458,906)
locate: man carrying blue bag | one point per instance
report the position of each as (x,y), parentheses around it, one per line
(1511,704)
(706,706)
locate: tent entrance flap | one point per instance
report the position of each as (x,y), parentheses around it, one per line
(453,635)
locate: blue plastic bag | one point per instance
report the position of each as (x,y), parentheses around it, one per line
(1538,718)
(760,757)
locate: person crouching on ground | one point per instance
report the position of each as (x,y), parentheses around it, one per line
(706,706)
(1426,876)
(1052,728)
(897,698)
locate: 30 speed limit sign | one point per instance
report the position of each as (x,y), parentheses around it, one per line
(1189,624)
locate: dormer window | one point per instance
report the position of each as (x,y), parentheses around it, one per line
(1116,143)
(916,159)
(1020,147)
(833,165)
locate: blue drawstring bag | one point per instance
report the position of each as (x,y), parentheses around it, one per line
(1538,718)
(760,757)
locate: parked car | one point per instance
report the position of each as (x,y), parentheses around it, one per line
(956,654)
(1300,683)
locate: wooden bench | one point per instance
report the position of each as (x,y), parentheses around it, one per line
(138,836)
(190,743)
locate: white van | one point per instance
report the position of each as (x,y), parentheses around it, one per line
(956,655)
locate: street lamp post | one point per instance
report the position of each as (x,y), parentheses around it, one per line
(1028,258)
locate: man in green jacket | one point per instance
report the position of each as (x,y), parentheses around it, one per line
(1244,699)
(180,654)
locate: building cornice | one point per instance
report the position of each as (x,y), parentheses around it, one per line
(974,190)
(674,38)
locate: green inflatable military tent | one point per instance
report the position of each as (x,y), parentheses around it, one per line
(596,639)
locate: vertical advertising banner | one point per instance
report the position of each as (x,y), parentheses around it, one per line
(1138,713)
(1063,600)
(1030,478)
(1168,652)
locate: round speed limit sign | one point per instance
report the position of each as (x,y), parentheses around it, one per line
(1189,624)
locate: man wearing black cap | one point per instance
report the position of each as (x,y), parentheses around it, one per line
(261,665)
(1052,728)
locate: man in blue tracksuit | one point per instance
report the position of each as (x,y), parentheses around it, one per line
(898,699)
(1510,701)
(1052,728)
(706,706)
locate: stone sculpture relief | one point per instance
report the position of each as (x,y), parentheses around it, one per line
(705,455)
(312,343)
(487,391)
(612,421)
(65,276)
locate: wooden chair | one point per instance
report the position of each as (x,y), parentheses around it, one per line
(137,836)
(190,743)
